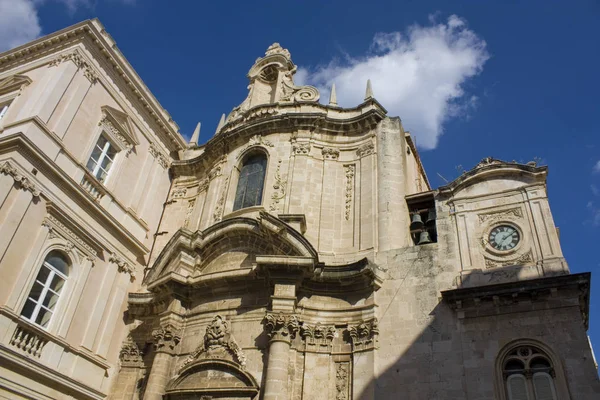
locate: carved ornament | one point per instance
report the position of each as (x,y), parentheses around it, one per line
(349,190)
(342,380)
(188,212)
(364,335)
(365,149)
(122,265)
(166,338)
(524,259)
(317,335)
(282,327)
(116,133)
(178,193)
(330,153)
(130,354)
(278,189)
(218,214)
(162,160)
(57,229)
(23,182)
(498,215)
(218,342)
(301,148)
(80,62)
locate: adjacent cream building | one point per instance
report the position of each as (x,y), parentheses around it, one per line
(299,254)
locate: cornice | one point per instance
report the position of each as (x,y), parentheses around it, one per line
(93,33)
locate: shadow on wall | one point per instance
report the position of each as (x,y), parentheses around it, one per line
(452,352)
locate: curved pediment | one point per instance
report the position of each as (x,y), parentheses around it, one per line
(504,175)
(228,247)
(214,379)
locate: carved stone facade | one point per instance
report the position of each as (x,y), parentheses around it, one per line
(348,276)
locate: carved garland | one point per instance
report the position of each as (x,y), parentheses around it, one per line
(79,61)
(278,189)
(349,169)
(218,214)
(24,182)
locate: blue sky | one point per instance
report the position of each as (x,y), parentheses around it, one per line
(516,80)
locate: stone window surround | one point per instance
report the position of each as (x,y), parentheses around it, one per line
(558,378)
(235,174)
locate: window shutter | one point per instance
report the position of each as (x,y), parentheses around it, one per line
(517,388)
(543,386)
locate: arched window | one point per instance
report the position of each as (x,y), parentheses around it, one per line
(46,289)
(528,375)
(251,182)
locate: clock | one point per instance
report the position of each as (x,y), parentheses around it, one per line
(504,237)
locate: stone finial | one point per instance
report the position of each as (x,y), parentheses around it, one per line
(369,91)
(221,123)
(332,96)
(195,135)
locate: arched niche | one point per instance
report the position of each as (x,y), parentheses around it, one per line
(214,379)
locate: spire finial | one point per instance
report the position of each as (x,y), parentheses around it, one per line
(332,96)
(369,92)
(195,136)
(221,123)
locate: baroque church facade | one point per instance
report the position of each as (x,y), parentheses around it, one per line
(300,253)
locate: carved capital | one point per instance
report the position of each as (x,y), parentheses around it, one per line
(364,335)
(318,336)
(281,326)
(330,153)
(365,149)
(301,148)
(130,354)
(166,338)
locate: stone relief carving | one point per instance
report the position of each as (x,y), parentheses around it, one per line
(497,215)
(23,182)
(365,149)
(79,61)
(278,189)
(178,193)
(216,170)
(162,160)
(349,190)
(122,265)
(203,186)
(258,140)
(342,379)
(281,326)
(291,92)
(218,214)
(301,148)
(188,212)
(276,48)
(330,153)
(218,342)
(524,259)
(108,125)
(130,354)
(317,335)
(364,335)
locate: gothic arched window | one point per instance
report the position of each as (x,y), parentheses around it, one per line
(251,182)
(528,375)
(46,289)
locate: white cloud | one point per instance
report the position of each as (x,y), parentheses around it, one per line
(418,75)
(596,168)
(19,23)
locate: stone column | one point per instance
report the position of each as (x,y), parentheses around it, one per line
(281,328)
(132,370)
(166,339)
(364,342)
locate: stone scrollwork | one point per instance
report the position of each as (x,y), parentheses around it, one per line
(281,326)
(291,92)
(278,189)
(330,153)
(218,342)
(166,338)
(24,183)
(122,265)
(108,125)
(516,212)
(258,140)
(80,62)
(365,150)
(524,259)
(364,335)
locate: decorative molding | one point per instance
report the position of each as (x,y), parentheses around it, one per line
(342,380)
(524,259)
(163,160)
(365,149)
(364,335)
(301,148)
(349,190)
(218,214)
(14,83)
(516,212)
(92,186)
(79,61)
(178,193)
(166,338)
(57,229)
(216,170)
(278,189)
(115,132)
(281,327)
(218,342)
(23,182)
(123,266)
(257,140)
(130,354)
(203,186)
(330,153)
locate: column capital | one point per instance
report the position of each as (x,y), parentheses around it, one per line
(281,327)
(130,355)
(364,335)
(166,338)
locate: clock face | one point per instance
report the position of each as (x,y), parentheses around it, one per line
(504,237)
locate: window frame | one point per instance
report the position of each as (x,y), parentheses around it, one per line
(243,159)
(103,154)
(45,287)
